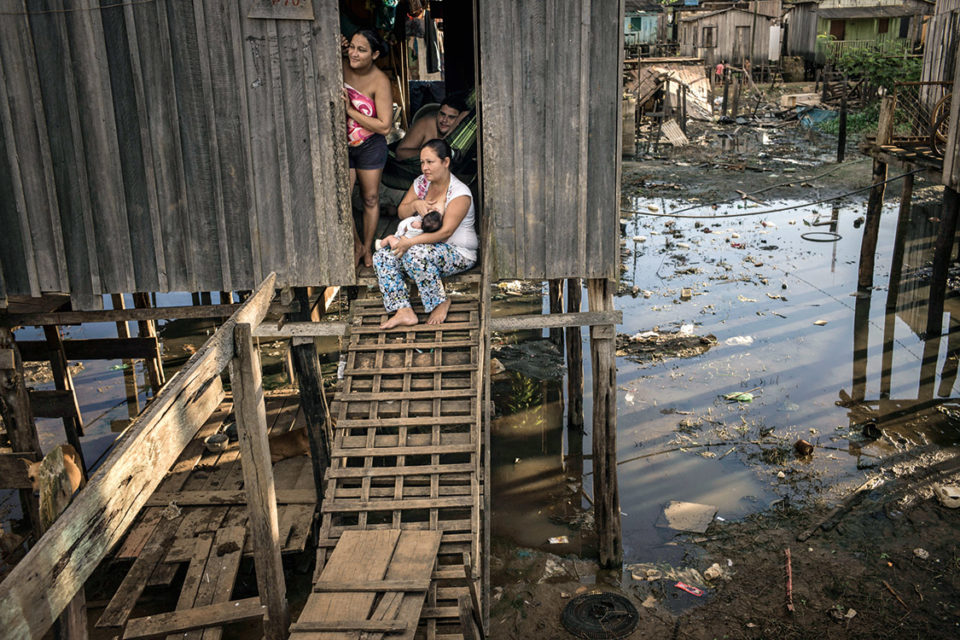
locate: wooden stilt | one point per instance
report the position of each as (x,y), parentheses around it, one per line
(893,287)
(726,91)
(55,496)
(842,135)
(226,297)
(247,384)
(148,329)
(606,500)
(871,227)
(941,262)
(17,416)
(206,298)
(574,383)
(556,306)
(123,331)
(737,84)
(949,374)
(72,425)
(306,366)
(861,342)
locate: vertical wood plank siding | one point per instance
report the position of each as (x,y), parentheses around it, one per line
(173,145)
(551,135)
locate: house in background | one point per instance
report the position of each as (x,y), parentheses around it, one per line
(640,27)
(734,33)
(820,31)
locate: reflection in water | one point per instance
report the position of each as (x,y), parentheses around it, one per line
(821,363)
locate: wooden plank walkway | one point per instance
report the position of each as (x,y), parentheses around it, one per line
(405,466)
(198,517)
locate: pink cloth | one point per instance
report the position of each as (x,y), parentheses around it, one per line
(357,135)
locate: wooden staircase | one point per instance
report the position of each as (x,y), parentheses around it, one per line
(406,456)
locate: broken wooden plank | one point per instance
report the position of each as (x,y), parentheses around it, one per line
(374,586)
(204,498)
(673,133)
(57,566)
(163,624)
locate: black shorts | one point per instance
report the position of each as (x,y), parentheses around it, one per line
(370,154)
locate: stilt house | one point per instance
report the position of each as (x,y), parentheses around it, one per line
(198,145)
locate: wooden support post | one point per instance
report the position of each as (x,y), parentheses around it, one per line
(941,262)
(893,287)
(861,343)
(123,331)
(226,297)
(556,306)
(72,426)
(206,298)
(17,415)
(842,135)
(871,227)
(306,366)
(683,109)
(148,329)
(726,91)
(55,496)
(574,383)
(738,83)
(606,499)
(825,78)
(247,384)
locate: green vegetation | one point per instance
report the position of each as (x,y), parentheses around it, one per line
(882,70)
(863,121)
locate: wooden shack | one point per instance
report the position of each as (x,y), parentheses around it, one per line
(733,34)
(197,145)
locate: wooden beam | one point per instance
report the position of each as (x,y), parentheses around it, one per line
(13,472)
(205,498)
(871,227)
(370,626)
(247,385)
(93,349)
(63,381)
(115,315)
(306,364)
(373,586)
(273,330)
(211,615)
(606,499)
(54,404)
(18,418)
(554,320)
(61,561)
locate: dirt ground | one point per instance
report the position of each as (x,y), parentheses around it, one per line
(886,565)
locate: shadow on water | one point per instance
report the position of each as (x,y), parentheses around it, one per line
(820,361)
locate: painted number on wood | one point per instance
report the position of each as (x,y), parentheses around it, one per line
(282,10)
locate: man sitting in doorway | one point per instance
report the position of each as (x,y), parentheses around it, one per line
(452,110)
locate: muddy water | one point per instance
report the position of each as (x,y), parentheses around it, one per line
(787,325)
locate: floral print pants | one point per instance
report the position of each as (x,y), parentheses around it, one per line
(425,264)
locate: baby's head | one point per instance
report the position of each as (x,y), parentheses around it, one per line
(431,222)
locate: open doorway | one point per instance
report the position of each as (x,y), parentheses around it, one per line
(429,60)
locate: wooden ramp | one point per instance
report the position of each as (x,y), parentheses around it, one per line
(405,467)
(198,517)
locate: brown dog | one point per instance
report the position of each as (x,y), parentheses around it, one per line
(289,444)
(71,465)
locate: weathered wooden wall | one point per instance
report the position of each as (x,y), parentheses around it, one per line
(802,31)
(726,24)
(550,106)
(168,146)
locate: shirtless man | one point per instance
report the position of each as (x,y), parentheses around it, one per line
(452,110)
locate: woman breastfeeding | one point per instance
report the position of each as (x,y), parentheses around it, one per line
(429,256)
(366,91)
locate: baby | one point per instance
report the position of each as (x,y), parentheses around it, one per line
(412,226)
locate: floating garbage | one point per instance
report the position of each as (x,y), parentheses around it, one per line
(559,540)
(948,495)
(639,238)
(744,396)
(820,323)
(687,516)
(739,341)
(694,591)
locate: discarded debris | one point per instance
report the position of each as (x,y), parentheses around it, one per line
(820,323)
(686,294)
(948,495)
(789,566)
(694,591)
(654,346)
(559,540)
(738,396)
(921,553)
(687,516)
(739,341)
(803,448)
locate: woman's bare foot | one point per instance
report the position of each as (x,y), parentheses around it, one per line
(439,313)
(358,254)
(404,317)
(367,257)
